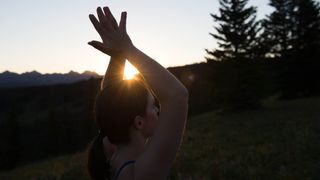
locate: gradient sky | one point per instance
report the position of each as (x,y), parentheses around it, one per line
(51,35)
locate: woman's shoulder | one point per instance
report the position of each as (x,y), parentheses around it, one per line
(125,170)
(122,170)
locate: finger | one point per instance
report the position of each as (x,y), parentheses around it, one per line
(100,46)
(112,20)
(103,19)
(123,22)
(96,24)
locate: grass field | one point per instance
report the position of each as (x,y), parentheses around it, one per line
(280,141)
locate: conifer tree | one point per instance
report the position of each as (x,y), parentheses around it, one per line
(293,26)
(237,81)
(279,28)
(292,33)
(307,17)
(237,31)
(306,48)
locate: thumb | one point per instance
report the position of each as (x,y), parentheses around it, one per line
(99,46)
(123,22)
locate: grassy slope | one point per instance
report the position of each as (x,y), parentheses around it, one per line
(279,142)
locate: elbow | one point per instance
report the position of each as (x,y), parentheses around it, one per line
(178,93)
(182,94)
(185,93)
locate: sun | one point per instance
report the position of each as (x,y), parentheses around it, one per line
(129,71)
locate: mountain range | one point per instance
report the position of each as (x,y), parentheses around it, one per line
(12,80)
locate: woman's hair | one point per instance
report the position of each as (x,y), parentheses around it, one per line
(98,167)
(115,109)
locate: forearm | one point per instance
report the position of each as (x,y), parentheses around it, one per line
(114,71)
(164,84)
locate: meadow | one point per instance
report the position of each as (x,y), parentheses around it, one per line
(279,141)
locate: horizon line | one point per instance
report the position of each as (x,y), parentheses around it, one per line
(74,71)
(35,71)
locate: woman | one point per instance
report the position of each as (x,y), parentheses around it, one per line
(138,142)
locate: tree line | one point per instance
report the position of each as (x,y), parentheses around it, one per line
(255,58)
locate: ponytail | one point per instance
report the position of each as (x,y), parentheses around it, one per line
(98,167)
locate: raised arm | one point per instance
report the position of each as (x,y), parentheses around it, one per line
(158,157)
(116,65)
(114,71)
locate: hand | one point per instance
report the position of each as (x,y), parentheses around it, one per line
(115,40)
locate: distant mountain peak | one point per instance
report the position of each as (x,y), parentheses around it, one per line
(73,73)
(31,73)
(8,73)
(34,78)
(90,73)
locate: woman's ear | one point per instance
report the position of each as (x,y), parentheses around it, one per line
(139,122)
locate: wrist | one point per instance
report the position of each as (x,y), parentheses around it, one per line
(130,51)
(119,57)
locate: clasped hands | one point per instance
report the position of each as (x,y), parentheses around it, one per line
(115,40)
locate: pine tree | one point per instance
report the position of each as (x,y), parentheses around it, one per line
(293,26)
(237,79)
(307,16)
(237,31)
(292,34)
(306,47)
(279,28)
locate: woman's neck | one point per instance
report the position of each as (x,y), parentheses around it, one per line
(133,149)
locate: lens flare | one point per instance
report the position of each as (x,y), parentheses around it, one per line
(129,71)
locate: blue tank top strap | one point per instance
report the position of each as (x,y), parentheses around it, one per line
(123,166)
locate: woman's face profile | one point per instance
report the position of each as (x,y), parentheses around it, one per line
(151,115)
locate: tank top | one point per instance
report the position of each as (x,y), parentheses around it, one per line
(122,167)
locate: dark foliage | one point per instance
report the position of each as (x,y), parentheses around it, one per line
(40,122)
(236,78)
(237,31)
(280,56)
(292,36)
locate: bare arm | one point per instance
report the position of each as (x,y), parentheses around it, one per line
(163,83)
(114,71)
(158,157)
(116,65)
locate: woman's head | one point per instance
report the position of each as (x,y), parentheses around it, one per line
(120,107)
(123,105)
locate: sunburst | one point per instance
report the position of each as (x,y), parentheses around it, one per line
(129,71)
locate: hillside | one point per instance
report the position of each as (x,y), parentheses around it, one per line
(277,142)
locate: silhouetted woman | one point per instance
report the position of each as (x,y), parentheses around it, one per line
(141,121)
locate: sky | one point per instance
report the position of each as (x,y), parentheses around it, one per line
(50,36)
